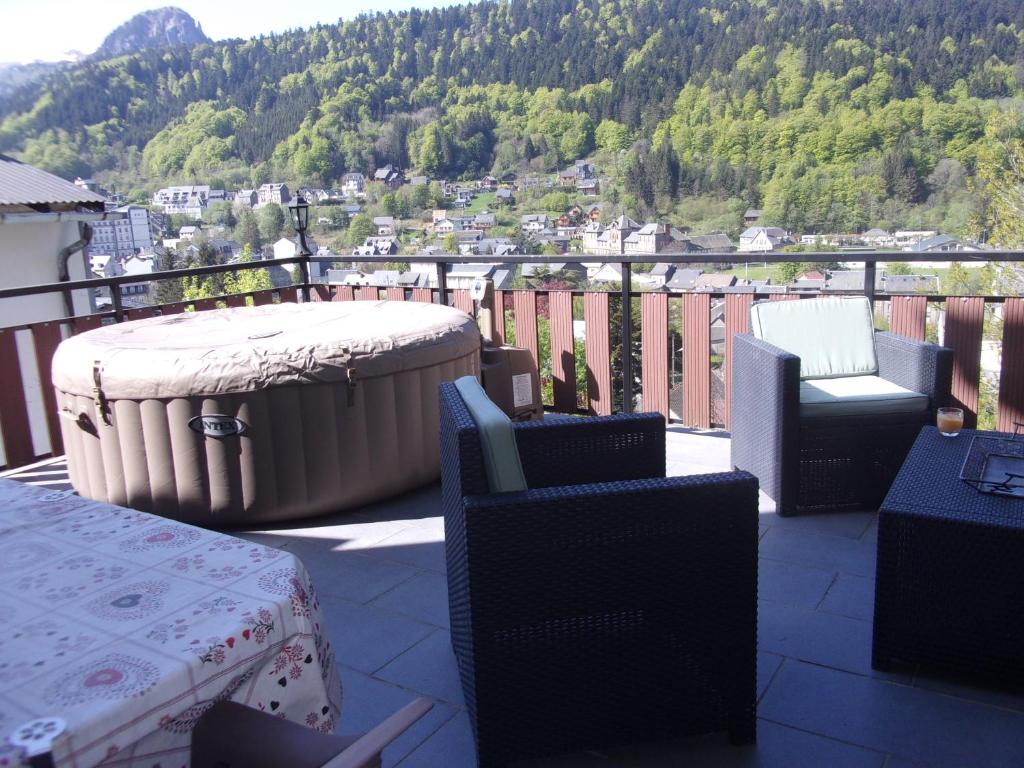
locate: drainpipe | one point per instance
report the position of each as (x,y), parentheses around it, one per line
(64,254)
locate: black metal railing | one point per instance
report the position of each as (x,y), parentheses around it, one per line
(623,376)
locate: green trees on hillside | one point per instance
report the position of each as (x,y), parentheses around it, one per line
(360,228)
(199,142)
(828,115)
(247,230)
(272,219)
(240,281)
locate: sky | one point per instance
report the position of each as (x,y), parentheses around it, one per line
(45,30)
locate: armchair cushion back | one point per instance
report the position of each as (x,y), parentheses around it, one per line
(833,337)
(497,438)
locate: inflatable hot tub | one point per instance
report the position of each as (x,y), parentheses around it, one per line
(260,414)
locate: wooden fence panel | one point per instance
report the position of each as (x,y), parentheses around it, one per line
(86,323)
(367,293)
(598,350)
(343,293)
(319,292)
(139,314)
(204,305)
(907,316)
(737,320)
(425,295)
(461,300)
(17,435)
(563,360)
(45,338)
(654,352)
(697,360)
(235,300)
(393,293)
(289,294)
(261,298)
(965,317)
(1011,377)
(525,309)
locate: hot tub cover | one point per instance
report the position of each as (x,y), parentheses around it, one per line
(252,348)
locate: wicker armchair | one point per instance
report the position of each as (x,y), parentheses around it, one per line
(820,462)
(605,605)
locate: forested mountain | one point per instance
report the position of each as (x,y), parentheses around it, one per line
(13,76)
(829,113)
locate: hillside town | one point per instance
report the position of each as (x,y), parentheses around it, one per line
(379,215)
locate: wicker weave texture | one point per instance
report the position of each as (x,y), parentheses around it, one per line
(949,571)
(814,464)
(603,613)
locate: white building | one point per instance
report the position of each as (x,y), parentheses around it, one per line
(352,184)
(878,238)
(187,201)
(610,240)
(649,239)
(762,239)
(287,248)
(125,236)
(905,238)
(245,198)
(534,222)
(276,192)
(132,294)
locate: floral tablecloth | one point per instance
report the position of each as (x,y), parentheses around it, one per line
(129,626)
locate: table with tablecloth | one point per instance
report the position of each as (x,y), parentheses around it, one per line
(130,626)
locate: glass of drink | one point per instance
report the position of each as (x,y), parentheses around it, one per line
(950,421)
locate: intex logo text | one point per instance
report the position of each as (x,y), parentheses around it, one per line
(217,425)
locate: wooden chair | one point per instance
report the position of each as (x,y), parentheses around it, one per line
(231,735)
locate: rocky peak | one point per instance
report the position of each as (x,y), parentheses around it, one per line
(152,29)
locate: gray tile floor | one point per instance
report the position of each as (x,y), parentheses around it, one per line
(380,574)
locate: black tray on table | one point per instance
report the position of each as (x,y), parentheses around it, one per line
(995,465)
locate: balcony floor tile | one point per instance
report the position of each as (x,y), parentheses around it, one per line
(424,597)
(852,596)
(430,667)
(380,573)
(792,584)
(896,719)
(365,638)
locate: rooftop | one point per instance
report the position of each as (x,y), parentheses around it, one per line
(380,573)
(29,189)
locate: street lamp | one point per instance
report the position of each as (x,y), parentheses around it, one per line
(299,210)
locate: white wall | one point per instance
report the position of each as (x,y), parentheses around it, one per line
(28,256)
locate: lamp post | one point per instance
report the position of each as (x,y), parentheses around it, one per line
(299,210)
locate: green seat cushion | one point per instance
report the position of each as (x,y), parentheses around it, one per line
(857,395)
(833,337)
(497,438)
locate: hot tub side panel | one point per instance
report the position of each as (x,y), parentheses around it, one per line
(305,449)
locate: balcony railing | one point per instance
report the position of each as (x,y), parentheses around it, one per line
(672,366)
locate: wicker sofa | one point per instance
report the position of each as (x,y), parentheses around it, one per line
(829,429)
(604,605)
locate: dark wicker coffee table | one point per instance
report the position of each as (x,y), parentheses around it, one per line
(949,589)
